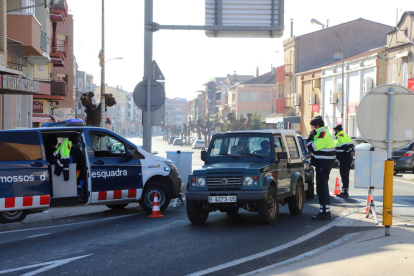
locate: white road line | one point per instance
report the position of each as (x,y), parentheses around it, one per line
(68,224)
(46,266)
(412,183)
(304,255)
(40,235)
(273,250)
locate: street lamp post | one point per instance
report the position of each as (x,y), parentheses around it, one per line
(103,68)
(344,109)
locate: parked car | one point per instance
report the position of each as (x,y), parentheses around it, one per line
(171,140)
(403,159)
(178,142)
(254,170)
(198,144)
(357,142)
(309,170)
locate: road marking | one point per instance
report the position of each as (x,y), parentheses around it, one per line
(46,266)
(306,255)
(272,250)
(40,235)
(412,183)
(68,224)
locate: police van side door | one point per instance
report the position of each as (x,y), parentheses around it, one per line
(115,178)
(24,179)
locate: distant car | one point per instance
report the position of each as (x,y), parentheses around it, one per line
(357,142)
(198,144)
(404,159)
(178,142)
(171,140)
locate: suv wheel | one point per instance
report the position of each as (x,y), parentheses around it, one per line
(147,197)
(296,201)
(195,213)
(12,216)
(269,210)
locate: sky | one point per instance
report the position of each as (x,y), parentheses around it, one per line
(189,58)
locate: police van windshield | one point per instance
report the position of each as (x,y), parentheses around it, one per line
(237,146)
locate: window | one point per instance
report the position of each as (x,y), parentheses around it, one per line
(244,97)
(265,112)
(393,73)
(404,74)
(240,146)
(265,97)
(337,54)
(254,96)
(106,146)
(23,146)
(292,147)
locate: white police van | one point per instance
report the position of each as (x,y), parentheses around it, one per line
(103,168)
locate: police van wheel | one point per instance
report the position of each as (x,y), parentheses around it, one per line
(195,213)
(310,193)
(147,197)
(296,201)
(117,206)
(12,216)
(268,211)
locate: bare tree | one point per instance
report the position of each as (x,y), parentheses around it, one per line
(93,111)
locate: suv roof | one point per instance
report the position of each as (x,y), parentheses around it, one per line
(264,131)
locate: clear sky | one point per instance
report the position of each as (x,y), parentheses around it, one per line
(189,58)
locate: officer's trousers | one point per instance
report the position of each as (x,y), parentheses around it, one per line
(322,188)
(344,168)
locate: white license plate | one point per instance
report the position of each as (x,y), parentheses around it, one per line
(220,199)
(395,163)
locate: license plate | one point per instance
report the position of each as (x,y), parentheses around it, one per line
(220,199)
(395,163)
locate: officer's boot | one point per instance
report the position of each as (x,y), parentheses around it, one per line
(344,193)
(324,213)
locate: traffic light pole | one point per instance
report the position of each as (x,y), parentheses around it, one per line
(148,38)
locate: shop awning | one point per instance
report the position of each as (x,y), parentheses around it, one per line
(41,118)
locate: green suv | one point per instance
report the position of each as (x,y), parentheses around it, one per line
(254,170)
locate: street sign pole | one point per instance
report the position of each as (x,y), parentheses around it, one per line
(148,37)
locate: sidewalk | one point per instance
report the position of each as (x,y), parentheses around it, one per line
(364,253)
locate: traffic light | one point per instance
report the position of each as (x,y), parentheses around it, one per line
(101,58)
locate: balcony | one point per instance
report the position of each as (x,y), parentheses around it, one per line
(58,88)
(26,29)
(283,71)
(59,52)
(59,10)
(15,55)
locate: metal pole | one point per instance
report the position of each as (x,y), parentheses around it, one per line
(388,170)
(345,96)
(103,68)
(148,33)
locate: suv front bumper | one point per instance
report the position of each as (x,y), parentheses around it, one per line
(242,196)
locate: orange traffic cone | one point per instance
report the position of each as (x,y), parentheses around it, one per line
(368,204)
(337,187)
(156,213)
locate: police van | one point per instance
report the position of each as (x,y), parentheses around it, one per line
(68,164)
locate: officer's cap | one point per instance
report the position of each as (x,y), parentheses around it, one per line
(317,121)
(338,127)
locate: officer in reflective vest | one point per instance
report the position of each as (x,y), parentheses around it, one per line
(345,150)
(321,145)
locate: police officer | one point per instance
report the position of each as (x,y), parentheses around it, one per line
(345,150)
(321,145)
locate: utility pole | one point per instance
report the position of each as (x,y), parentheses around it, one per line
(148,37)
(103,68)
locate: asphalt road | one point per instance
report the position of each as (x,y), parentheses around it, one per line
(98,241)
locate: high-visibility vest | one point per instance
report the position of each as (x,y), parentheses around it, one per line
(344,145)
(323,145)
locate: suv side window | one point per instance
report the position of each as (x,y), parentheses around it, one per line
(292,147)
(20,146)
(106,146)
(278,144)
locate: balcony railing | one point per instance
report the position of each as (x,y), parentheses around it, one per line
(283,71)
(44,41)
(59,10)
(59,48)
(15,55)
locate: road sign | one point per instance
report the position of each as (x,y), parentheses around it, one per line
(244,18)
(372,116)
(157,95)
(280,125)
(315,108)
(157,74)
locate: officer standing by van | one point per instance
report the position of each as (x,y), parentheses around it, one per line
(345,150)
(321,145)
